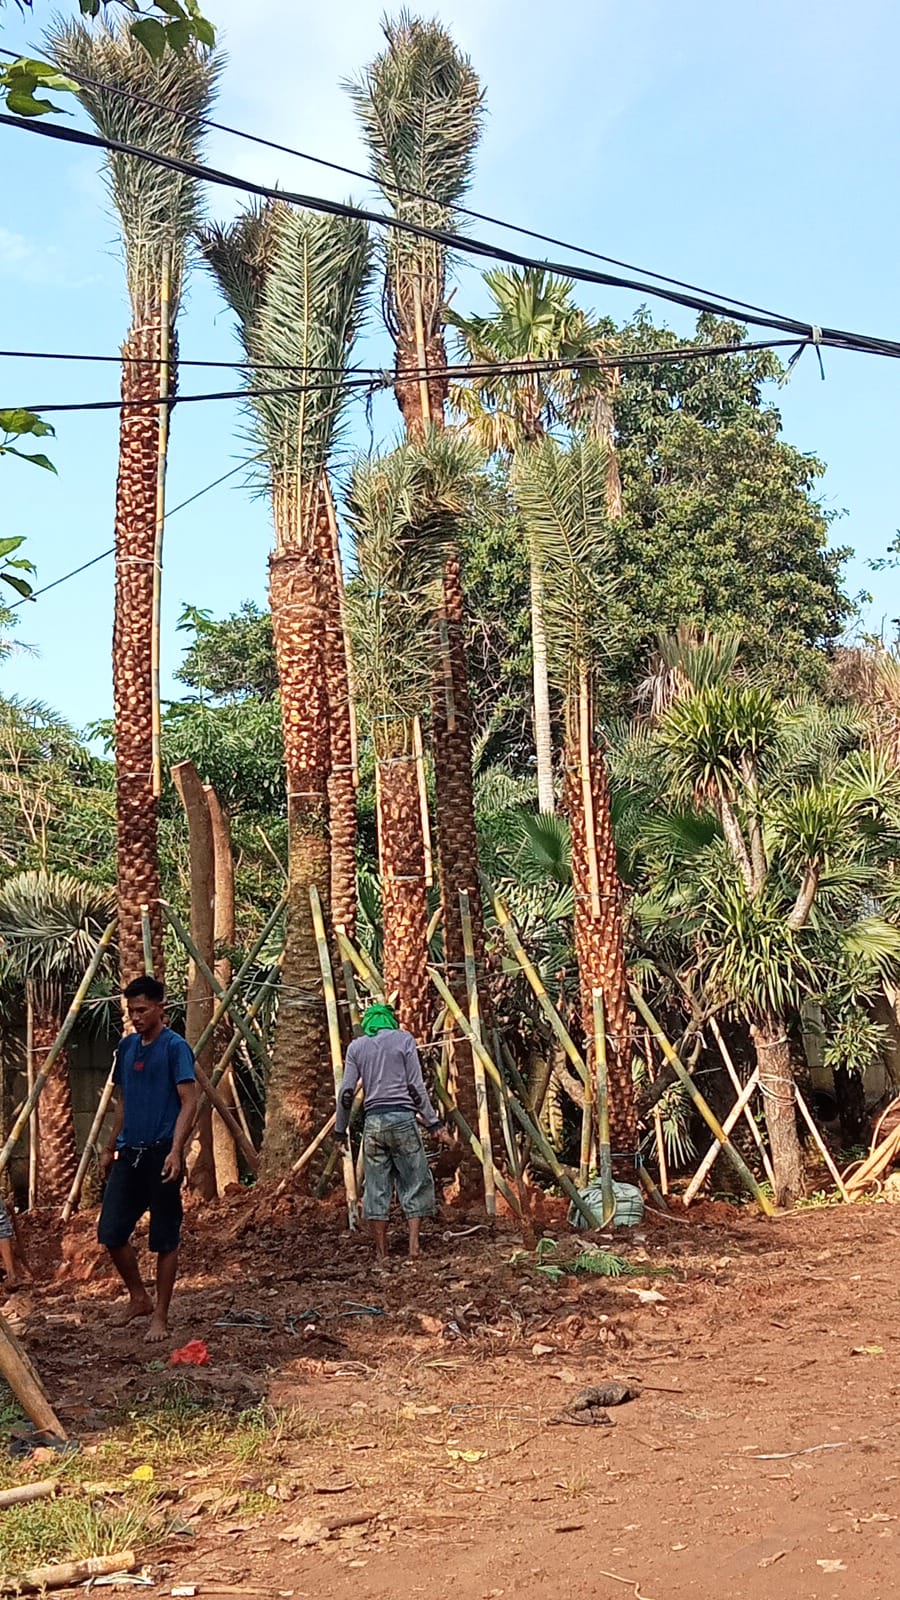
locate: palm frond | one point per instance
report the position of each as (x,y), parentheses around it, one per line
(121,89)
(50,925)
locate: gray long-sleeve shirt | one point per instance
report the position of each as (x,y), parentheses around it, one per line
(388,1067)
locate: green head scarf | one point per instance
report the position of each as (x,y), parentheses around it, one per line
(377,1018)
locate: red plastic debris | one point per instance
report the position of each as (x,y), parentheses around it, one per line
(194,1354)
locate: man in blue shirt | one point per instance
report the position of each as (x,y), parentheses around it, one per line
(144,1162)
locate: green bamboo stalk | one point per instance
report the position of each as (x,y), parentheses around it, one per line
(252,1039)
(59,1043)
(511,936)
(366,968)
(147,941)
(350,988)
(456,1116)
(587,1134)
(534,1132)
(601,1067)
(646,1179)
(481,1099)
(708,1115)
(519,1083)
(224,1005)
(250,1015)
(334,1039)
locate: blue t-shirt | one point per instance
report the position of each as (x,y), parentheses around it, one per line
(148,1076)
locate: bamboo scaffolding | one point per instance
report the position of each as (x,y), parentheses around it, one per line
(345,629)
(231,1122)
(481,1099)
(708,1115)
(730,1068)
(535,1133)
(456,1117)
(434,922)
(363,963)
(747,1092)
(147,941)
(252,1039)
(304,1159)
(57,1046)
(562,1033)
(645,1178)
(334,1037)
(601,1067)
(821,1146)
(519,1083)
(587,1134)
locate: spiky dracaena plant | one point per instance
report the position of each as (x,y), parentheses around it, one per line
(50,926)
(296,283)
(562,499)
(403,511)
(121,89)
(420,107)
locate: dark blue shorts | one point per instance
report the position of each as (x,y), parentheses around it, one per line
(135,1186)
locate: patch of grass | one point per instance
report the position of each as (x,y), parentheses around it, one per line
(70,1528)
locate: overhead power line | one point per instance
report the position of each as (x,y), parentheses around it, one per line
(404,194)
(804,332)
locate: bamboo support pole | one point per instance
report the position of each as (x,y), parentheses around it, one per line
(519,1083)
(64,1574)
(601,1067)
(562,1033)
(587,789)
(237,1039)
(587,1135)
(532,1129)
(147,941)
(457,1118)
(33,1131)
(223,1006)
(434,922)
(660,1142)
(350,988)
(57,1046)
(334,1037)
(363,963)
(24,1493)
(251,1039)
(231,1122)
(304,1159)
(709,1117)
(162,446)
(821,1146)
(16,1367)
(645,1178)
(481,1099)
(509,1137)
(742,1102)
(90,1148)
(730,1068)
(419,753)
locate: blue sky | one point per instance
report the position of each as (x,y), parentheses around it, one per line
(753,149)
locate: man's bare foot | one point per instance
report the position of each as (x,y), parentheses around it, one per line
(132,1309)
(158,1331)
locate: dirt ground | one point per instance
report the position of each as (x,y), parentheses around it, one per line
(761,1457)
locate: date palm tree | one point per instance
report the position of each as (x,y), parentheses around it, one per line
(157,210)
(562,495)
(295,281)
(420,107)
(402,512)
(533,319)
(50,925)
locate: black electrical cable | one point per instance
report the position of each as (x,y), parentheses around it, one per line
(403,194)
(805,332)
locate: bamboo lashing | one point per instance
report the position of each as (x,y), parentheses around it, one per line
(334,1039)
(708,1115)
(481,1099)
(533,1130)
(59,1044)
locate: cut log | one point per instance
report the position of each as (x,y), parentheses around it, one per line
(16,1368)
(67,1573)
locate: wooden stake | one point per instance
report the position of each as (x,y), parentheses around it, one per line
(534,1132)
(58,1044)
(17,1369)
(587,789)
(757,1137)
(543,999)
(334,1037)
(601,1066)
(103,1106)
(821,1146)
(419,753)
(64,1574)
(709,1117)
(481,1099)
(161,454)
(147,941)
(743,1100)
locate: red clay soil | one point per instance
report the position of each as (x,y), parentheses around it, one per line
(761,1458)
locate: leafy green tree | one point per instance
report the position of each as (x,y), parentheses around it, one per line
(231,659)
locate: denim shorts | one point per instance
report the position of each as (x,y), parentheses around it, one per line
(394,1156)
(134,1186)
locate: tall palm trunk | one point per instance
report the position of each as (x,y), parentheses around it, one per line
(56,1122)
(776,1080)
(599,942)
(341,786)
(543,735)
(404,896)
(300,1083)
(137,860)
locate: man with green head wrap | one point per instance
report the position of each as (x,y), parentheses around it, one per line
(386,1062)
